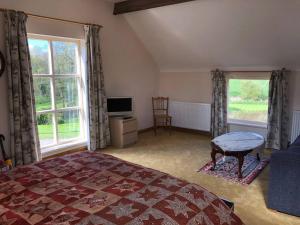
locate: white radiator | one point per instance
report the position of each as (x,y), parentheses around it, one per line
(190,115)
(295,126)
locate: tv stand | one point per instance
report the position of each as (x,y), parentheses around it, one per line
(123,130)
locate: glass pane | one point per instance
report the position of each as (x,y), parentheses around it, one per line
(45,129)
(248,100)
(64,54)
(66,92)
(39,55)
(68,125)
(42,93)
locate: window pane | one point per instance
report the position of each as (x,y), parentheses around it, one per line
(45,129)
(66,92)
(64,54)
(39,55)
(68,125)
(248,100)
(42,93)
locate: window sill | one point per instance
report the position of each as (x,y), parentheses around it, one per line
(247,124)
(50,151)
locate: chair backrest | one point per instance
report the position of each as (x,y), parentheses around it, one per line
(160,105)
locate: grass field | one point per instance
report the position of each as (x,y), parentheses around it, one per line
(42,106)
(252,111)
(65,131)
(247,107)
(47,106)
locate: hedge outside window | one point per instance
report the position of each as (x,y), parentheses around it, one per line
(248,100)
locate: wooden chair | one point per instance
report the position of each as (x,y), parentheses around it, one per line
(161,117)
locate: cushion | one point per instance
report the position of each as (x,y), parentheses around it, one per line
(294,149)
(297,141)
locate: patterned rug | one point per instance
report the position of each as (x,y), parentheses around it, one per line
(227,168)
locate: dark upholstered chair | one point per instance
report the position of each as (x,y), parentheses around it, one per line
(284,186)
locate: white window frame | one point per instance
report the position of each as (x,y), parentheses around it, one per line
(58,146)
(250,76)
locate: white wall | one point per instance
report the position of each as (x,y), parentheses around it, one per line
(221,33)
(128,68)
(186,86)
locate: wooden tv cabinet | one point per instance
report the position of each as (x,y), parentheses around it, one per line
(123,131)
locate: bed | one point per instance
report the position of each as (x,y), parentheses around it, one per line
(93,188)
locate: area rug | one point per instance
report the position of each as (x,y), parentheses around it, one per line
(227,168)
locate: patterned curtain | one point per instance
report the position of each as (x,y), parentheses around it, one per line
(24,139)
(219,104)
(99,134)
(277,135)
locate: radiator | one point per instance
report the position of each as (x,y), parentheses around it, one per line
(190,115)
(295,126)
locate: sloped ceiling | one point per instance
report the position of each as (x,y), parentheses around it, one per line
(205,34)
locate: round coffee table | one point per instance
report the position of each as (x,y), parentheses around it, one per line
(237,144)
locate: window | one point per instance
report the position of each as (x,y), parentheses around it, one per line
(58,88)
(248,101)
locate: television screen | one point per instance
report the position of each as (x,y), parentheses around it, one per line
(119,105)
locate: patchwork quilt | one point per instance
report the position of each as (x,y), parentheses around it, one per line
(92,189)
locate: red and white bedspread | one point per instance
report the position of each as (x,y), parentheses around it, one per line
(93,189)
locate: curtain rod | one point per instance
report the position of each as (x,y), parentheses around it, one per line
(56,19)
(250,71)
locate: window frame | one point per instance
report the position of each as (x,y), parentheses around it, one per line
(246,76)
(79,76)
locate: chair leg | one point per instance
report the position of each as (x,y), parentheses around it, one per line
(155,127)
(170,126)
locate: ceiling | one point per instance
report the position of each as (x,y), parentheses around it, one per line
(205,34)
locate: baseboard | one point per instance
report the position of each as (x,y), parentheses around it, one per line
(206,133)
(70,151)
(145,130)
(188,130)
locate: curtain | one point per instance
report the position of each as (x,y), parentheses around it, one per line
(99,134)
(23,127)
(219,104)
(277,134)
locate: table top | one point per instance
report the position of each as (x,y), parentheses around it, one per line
(239,141)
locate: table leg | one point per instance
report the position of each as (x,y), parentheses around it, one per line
(241,162)
(257,156)
(213,157)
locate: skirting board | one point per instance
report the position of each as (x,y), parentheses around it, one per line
(145,130)
(70,151)
(180,129)
(206,133)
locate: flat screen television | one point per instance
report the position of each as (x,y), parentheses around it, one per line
(120,106)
